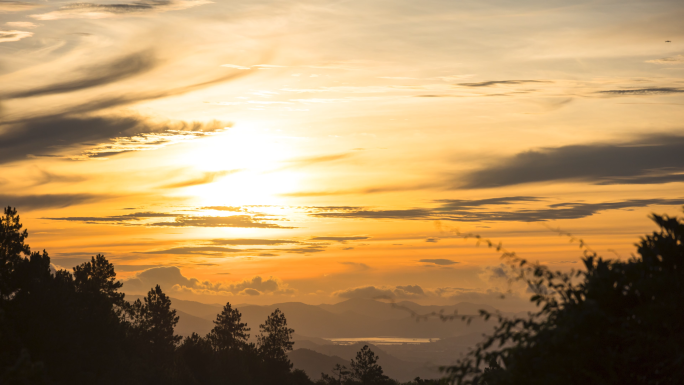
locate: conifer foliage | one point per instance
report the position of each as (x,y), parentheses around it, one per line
(365,368)
(62,328)
(229,332)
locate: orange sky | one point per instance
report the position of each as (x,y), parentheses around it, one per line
(313,151)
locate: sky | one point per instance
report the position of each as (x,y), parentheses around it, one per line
(315,151)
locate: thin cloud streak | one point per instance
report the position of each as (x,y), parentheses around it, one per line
(100,11)
(643,91)
(128,66)
(205,178)
(504,82)
(17,6)
(47,201)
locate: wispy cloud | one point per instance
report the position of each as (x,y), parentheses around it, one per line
(117,219)
(375,292)
(502,82)
(7,36)
(367,190)
(21,24)
(357,266)
(224,247)
(97,75)
(203,178)
(311,160)
(339,239)
(668,60)
(16,6)
(101,11)
(142,219)
(252,242)
(199,250)
(439,261)
(240,221)
(643,91)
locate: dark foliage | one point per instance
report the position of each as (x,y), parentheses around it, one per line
(617,322)
(364,371)
(365,368)
(275,341)
(229,333)
(63,328)
(612,322)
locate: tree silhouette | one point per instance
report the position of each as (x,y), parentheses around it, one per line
(275,339)
(365,368)
(614,322)
(12,247)
(229,333)
(199,358)
(98,278)
(157,320)
(78,329)
(340,375)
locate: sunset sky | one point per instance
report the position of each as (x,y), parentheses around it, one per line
(268,151)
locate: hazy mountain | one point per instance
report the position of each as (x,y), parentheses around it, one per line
(316,340)
(314,363)
(400,310)
(354,318)
(197,309)
(462,308)
(187,324)
(366,307)
(319,321)
(395,368)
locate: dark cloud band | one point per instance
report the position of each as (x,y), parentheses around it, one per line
(448,212)
(649,159)
(33,202)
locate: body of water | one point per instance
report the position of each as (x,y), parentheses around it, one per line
(382,340)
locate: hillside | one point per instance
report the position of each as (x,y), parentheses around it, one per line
(395,368)
(314,363)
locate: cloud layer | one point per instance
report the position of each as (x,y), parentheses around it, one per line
(179,220)
(170,278)
(459,211)
(91,137)
(101,11)
(650,159)
(97,75)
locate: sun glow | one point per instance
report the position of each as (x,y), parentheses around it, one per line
(248,165)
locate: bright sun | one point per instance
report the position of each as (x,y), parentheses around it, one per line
(246,165)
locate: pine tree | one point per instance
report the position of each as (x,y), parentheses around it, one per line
(276,338)
(12,247)
(229,333)
(98,278)
(365,368)
(155,321)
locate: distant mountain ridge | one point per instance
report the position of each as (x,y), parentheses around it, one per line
(316,359)
(354,318)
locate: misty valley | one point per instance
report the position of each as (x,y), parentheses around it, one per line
(326,335)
